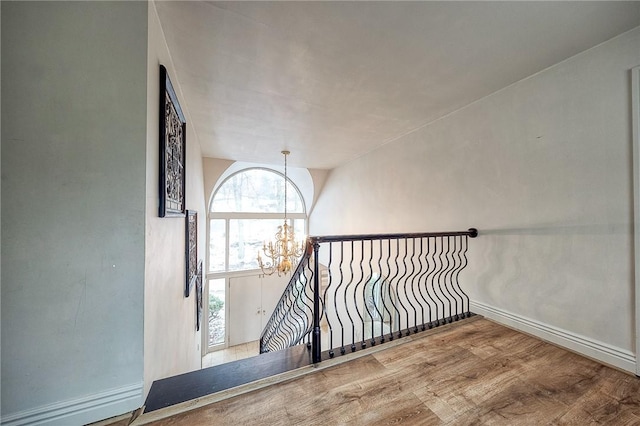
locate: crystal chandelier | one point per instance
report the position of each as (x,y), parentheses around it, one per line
(283,253)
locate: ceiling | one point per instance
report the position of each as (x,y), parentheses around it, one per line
(331,81)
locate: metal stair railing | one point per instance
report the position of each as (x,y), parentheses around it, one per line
(367,289)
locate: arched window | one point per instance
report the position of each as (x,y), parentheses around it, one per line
(245,211)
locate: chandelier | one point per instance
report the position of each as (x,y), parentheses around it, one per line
(283,253)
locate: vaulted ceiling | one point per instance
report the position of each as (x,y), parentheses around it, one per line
(331,81)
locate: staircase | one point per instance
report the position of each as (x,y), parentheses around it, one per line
(352,291)
(349,296)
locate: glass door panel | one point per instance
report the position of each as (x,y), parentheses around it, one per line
(217,312)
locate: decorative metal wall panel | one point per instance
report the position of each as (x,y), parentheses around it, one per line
(173,129)
(199,295)
(191,250)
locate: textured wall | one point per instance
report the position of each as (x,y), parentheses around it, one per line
(171,343)
(73,155)
(544,169)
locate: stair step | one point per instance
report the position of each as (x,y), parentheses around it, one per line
(196,384)
(175,395)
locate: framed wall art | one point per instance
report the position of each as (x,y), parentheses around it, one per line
(173,143)
(191,250)
(199,296)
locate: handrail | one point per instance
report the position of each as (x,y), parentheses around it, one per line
(472,232)
(378,287)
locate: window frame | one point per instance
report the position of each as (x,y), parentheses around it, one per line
(228,216)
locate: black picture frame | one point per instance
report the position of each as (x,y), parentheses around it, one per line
(173,150)
(199,296)
(191,250)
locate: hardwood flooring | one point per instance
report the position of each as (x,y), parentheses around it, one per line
(471,373)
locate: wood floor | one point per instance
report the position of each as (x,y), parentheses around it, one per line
(474,373)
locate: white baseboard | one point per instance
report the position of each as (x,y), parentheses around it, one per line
(603,352)
(88,409)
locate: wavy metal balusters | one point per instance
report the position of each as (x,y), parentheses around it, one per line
(292,320)
(349,292)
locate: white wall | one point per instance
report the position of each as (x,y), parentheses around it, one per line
(73,154)
(213,169)
(171,343)
(543,169)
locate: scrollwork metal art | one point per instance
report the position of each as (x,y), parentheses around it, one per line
(172,150)
(191,250)
(199,296)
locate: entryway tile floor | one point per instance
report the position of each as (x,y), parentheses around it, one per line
(232,353)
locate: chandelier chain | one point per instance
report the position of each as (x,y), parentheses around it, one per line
(285,183)
(282,254)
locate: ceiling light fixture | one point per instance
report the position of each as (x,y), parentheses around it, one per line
(283,253)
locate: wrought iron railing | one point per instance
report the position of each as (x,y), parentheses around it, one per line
(292,318)
(352,291)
